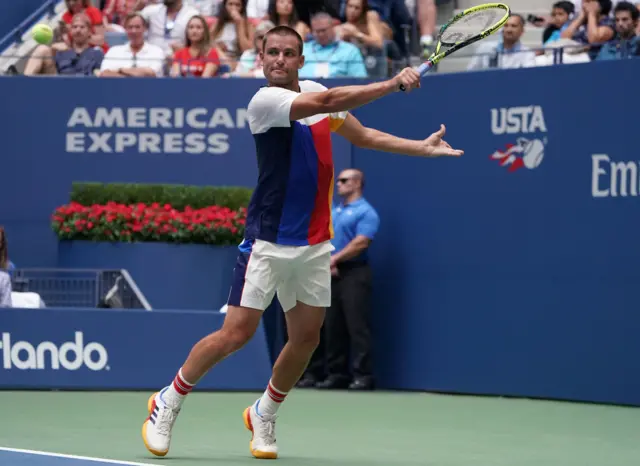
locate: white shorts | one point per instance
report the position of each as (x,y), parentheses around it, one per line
(295,273)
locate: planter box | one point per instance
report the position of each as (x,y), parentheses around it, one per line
(171,276)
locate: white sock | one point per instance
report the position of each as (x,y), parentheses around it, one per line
(271,400)
(176,393)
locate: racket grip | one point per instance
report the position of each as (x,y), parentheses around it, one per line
(422,69)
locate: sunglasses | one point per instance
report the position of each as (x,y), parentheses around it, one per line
(343,180)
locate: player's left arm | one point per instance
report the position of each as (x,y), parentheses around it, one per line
(369,138)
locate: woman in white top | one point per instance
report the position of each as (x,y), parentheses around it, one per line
(284,13)
(232,33)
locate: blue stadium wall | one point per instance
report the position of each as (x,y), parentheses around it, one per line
(515,279)
(13,13)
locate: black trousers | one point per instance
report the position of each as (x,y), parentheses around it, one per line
(346,335)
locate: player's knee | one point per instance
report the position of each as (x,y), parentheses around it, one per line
(237,337)
(306,340)
(239,326)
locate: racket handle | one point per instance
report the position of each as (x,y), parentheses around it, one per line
(422,70)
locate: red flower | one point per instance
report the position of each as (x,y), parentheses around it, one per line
(139,222)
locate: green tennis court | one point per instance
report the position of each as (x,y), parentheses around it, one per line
(321,429)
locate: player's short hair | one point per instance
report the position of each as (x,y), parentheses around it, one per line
(283,30)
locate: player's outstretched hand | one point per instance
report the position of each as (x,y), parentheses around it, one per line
(435,146)
(409,78)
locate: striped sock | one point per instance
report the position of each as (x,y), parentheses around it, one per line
(177,391)
(271,400)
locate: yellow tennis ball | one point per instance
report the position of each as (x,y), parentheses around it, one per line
(42,33)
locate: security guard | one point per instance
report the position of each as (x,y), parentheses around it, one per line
(347,323)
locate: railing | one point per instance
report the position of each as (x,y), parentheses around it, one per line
(80,288)
(16,34)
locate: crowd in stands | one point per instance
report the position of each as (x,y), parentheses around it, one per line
(581,31)
(222,38)
(343,38)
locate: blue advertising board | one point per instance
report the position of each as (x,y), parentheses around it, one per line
(518,262)
(118,349)
(511,270)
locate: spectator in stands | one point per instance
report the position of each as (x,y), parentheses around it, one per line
(325,56)
(62,39)
(507,52)
(5,267)
(394,16)
(206,8)
(250,64)
(362,26)
(79,59)
(199,58)
(115,11)
(97,22)
(5,262)
(347,324)
(167,24)
(232,32)
(283,12)
(257,10)
(364,29)
(638,26)
(427,14)
(561,13)
(626,43)
(307,8)
(592,26)
(137,58)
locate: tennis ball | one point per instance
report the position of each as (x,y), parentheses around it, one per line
(42,33)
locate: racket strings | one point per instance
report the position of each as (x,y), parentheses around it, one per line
(470,25)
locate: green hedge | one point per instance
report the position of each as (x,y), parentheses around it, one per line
(178,196)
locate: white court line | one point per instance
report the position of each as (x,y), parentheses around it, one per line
(74,457)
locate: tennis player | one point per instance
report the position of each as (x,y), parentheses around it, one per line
(287,248)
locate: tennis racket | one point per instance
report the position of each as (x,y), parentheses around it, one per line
(465,28)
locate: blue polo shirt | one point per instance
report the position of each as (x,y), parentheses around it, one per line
(339,59)
(351,220)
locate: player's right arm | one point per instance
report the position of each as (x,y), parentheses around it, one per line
(345,98)
(278,107)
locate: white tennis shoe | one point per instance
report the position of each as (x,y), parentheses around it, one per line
(156,430)
(263,429)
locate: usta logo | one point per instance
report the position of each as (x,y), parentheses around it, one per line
(527,151)
(24,356)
